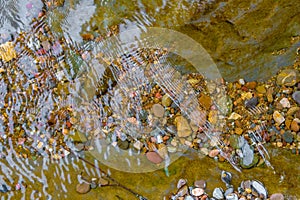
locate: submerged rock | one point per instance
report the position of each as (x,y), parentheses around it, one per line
(288,77)
(277,196)
(218,193)
(154,157)
(83,188)
(259,188)
(183,127)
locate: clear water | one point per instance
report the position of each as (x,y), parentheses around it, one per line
(43,91)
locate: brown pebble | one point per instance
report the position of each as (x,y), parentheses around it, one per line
(238,131)
(294,126)
(200,184)
(251,85)
(154,157)
(83,188)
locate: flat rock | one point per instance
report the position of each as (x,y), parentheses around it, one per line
(197,192)
(154,157)
(183,127)
(213,153)
(83,188)
(288,77)
(158,110)
(278,117)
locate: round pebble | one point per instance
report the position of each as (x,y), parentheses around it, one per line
(158,110)
(166,100)
(197,192)
(83,188)
(288,137)
(200,184)
(277,196)
(154,157)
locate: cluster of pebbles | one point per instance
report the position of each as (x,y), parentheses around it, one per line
(249,189)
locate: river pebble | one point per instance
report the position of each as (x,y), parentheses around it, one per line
(83,188)
(277,196)
(218,193)
(279,119)
(158,110)
(288,77)
(154,157)
(183,127)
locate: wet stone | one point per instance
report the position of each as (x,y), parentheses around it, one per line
(234,141)
(181,182)
(296,96)
(287,77)
(261,89)
(123,144)
(200,184)
(158,110)
(154,157)
(229,191)
(277,196)
(213,153)
(232,196)
(251,103)
(83,188)
(197,192)
(103,182)
(259,188)
(288,137)
(226,177)
(183,127)
(278,117)
(188,197)
(218,193)
(166,100)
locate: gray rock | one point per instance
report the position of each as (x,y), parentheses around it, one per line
(288,137)
(259,188)
(200,184)
(248,154)
(229,191)
(189,197)
(158,110)
(296,96)
(218,193)
(251,103)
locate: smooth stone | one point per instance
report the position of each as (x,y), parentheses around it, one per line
(259,188)
(279,119)
(261,89)
(172,149)
(270,95)
(225,104)
(251,103)
(234,116)
(123,144)
(171,129)
(183,127)
(246,184)
(296,96)
(158,110)
(248,154)
(205,101)
(277,196)
(226,177)
(4,189)
(103,182)
(83,188)
(189,197)
(218,193)
(166,100)
(200,184)
(251,85)
(197,192)
(234,141)
(228,191)
(154,157)
(232,196)
(79,146)
(163,151)
(182,191)
(181,182)
(285,102)
(138,145)
(294,126)
(213,153)
(93,185)
(288,77)
(288,137)
(292,111)
(238,131)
